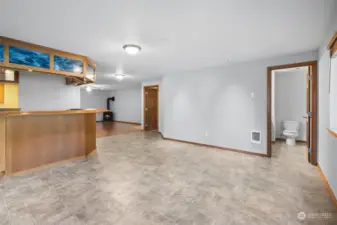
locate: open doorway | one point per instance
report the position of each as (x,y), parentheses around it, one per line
(287,122)
(151,99)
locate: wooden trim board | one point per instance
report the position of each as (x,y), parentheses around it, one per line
(55,112)
(313,64)
(53,164)
(216,147)
(132,123)
(332,195)
(48,165)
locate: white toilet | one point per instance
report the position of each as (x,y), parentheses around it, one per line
(290,131)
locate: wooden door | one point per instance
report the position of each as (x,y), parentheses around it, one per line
(151,108)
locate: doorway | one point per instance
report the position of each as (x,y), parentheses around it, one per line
(151,107)
(311,108)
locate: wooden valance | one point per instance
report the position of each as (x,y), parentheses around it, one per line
(19,55)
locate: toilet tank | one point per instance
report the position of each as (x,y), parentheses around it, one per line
(291,125)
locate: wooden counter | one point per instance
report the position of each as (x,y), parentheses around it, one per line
(33,139)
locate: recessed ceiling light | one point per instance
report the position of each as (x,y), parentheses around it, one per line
(88,89)
(132,49)
(119,76)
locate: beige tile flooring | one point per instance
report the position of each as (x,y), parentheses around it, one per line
(138,178)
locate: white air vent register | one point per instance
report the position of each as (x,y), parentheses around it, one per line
(255,137)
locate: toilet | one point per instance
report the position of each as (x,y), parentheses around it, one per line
(290,131)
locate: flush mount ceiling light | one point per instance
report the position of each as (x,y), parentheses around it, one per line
(119,76)
(132,49)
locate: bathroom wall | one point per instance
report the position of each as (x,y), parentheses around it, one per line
(290,100)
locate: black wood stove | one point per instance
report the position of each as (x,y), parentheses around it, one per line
(108,116)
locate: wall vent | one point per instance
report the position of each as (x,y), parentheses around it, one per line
(256,137)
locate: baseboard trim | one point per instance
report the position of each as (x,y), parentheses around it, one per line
(76,158)
(332,195)
(216,147)
(117,121)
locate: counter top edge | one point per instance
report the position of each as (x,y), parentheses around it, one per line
(52,112)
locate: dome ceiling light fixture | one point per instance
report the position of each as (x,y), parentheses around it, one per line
(119,76)
(132,49)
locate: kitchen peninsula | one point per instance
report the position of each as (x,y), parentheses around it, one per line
(34,77)
(35,139)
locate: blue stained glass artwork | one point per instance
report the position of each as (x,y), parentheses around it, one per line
(28,57)
(2,47)
(90,70)
(67,64)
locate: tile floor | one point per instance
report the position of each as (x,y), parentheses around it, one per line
(138,178)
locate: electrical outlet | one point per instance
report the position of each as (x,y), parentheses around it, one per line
(206,134)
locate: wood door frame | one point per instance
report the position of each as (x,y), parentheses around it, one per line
(314,106)
(144,105)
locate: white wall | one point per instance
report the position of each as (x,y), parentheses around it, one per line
(127,105)
(290,100)
(273,119)
(333,93)
(327,144)
(95,99)
(160,102)
(46,92)
(218,101)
